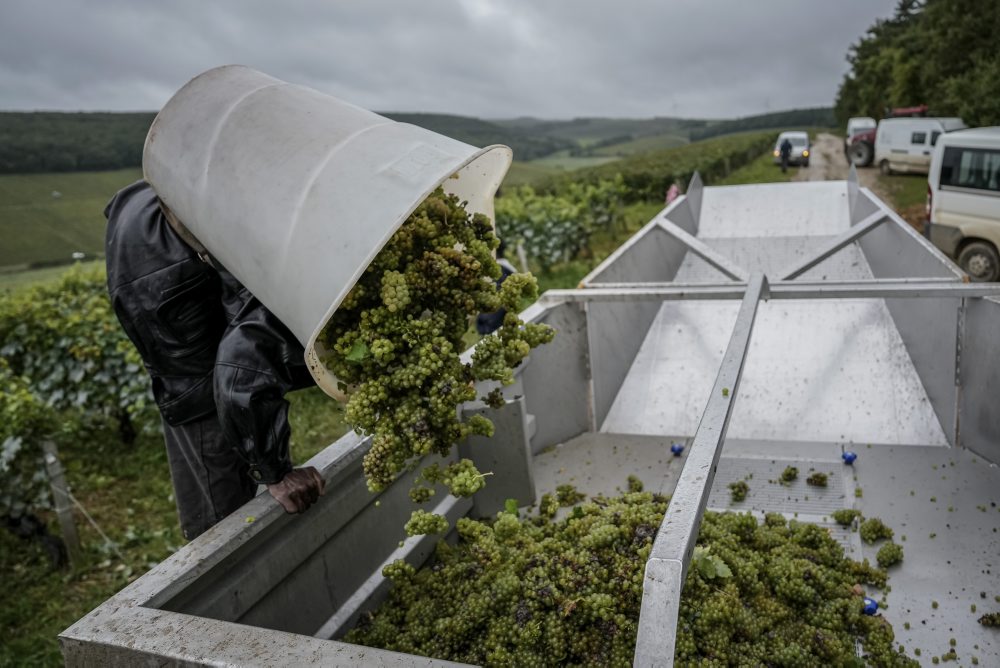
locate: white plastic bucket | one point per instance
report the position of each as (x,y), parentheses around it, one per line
(295,192)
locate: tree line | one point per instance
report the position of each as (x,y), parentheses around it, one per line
(942,53)
(34,142)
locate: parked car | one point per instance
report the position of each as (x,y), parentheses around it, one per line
(963,200)
(800,148)
(905,144)
(857,125)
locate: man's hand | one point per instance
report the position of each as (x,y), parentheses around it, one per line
(299,489)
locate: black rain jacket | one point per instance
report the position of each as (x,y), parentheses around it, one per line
(207,343)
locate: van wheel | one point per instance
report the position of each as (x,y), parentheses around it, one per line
(980,261)
(861,154)
(885,168)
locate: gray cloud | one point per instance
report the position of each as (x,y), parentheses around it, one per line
(489,58)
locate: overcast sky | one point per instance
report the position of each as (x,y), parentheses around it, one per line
(487,58)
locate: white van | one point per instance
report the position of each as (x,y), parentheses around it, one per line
(905,144)
(963,200)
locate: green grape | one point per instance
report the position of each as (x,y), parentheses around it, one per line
(634,484)
(422,522)
(874,529)
(494,399)
(789,474)
(541,591)
(421,494)
(845,517)
(394,341)
(548,506)
(463,478)
(817,479)
(990,619)
(567,495)
(889,554)
(738,490)
(399,571)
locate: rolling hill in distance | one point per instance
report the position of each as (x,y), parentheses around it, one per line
(58,170)
(33,142)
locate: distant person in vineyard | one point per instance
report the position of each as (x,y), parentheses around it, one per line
(785,150)
(220,364)
(673,192)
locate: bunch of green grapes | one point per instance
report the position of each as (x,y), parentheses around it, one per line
(541,591)
(873,529)
(817,479)
(395,339)
(889,554)
(845,516)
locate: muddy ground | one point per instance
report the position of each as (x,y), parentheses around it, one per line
(828,163)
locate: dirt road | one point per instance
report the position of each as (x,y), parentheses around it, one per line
(827,163)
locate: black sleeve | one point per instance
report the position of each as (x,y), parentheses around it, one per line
(168,302)
(258,361)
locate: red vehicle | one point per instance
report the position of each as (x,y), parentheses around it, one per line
(860,146)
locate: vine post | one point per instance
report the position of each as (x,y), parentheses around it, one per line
(61,501)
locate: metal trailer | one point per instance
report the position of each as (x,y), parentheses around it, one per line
(761,326)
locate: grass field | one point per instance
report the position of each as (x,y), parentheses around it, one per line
(12,280)
(906,190)
(562,160)
(525,173)
(37,227)
(127,491)
(642,145)
(761,170)
(586,131)
(908,195)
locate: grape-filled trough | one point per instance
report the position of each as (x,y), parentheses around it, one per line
(794,351)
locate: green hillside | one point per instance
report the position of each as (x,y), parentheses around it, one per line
(526,145)
(793,118)
(32,142)
(647,175)
(36,142)
(586,131)
(565,160)
(38,227)
(590,131)
(643,145)
(41,228)
(525,173)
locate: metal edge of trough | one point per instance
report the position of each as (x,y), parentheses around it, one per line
(128,628)
(633,240)
(895,218)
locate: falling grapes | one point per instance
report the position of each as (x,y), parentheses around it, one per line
(394,343)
